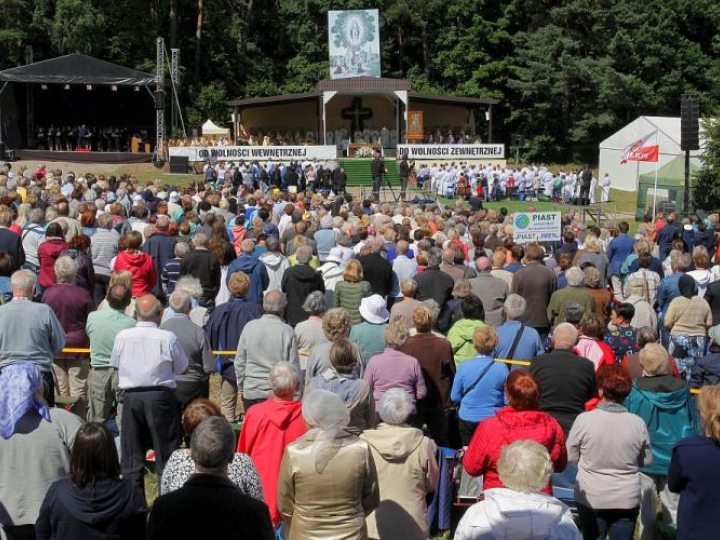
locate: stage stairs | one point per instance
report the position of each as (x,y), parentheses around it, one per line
(358,171)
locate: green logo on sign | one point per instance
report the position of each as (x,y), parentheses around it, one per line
(522,221)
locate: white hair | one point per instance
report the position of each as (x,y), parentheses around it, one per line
(525,466)
(284,379)
(66,269)
(275,303)
(515,306)
(190,285)
(23,280)
(574,276)
(180,249)
(395,406)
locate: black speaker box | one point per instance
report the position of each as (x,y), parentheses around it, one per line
(689,124)
(179,164)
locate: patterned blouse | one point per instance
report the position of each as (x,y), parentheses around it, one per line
(623,341)
(241,472)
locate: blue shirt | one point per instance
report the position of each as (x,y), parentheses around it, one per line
(487,397)
(529,346)
(667,290)
(618,251)
(655,266)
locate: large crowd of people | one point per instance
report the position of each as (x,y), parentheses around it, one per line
(354,345)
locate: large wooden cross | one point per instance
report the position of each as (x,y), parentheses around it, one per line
(357,114)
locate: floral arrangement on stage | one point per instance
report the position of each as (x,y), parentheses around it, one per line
(365,152)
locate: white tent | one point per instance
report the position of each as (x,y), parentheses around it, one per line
(626,176)
(209,128)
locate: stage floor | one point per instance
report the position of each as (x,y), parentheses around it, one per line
(83,157)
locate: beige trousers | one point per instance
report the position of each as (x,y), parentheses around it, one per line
(71,381)
(71,377)
(229,397)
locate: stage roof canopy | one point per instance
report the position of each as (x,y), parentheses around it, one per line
(76,69)
(364,85)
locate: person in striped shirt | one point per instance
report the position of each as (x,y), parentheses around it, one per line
(171,271)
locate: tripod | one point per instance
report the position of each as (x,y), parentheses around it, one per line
(386,181)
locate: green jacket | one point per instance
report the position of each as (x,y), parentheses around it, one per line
(349,295)
(460,337)
(556,306)
(670,417)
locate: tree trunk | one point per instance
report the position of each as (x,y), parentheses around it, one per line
(426,52)
(401,52)
(198,39)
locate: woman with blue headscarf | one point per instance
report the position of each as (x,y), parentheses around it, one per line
(35,444)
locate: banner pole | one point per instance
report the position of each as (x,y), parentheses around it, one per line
(657,164)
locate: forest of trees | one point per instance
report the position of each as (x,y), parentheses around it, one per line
(568,73)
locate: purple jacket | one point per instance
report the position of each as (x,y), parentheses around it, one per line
(72,305)
(394,369)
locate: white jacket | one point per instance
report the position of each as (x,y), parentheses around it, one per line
(331,273)
(511,515)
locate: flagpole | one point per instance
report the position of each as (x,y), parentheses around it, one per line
(657,164)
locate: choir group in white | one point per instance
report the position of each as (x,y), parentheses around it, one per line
(497,182)
(501,182)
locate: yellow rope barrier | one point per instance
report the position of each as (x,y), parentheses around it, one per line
(232,353)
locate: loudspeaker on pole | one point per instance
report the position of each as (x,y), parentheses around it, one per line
(689,123)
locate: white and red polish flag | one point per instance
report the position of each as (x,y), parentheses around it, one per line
(645,149)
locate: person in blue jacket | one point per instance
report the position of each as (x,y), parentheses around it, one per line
(255,270)
(694,473)
(479,384)
(665,404)
(667,235)
(707,370)
(618,250)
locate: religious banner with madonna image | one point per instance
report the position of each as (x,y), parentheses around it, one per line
(354,43)
(415,126)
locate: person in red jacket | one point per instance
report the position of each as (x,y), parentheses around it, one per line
(521,420)
(48,253)
(270,426)
(139,264)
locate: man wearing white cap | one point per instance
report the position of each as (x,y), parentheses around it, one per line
(369,335)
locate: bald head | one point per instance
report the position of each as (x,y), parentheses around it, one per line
(483,264)
(148,309)
(448,255)
(565,336)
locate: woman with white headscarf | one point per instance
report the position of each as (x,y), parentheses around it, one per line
(35,446)
(328,482)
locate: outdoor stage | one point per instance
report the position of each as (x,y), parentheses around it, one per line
(83,157)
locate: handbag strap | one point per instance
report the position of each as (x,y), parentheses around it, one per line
(480,378)
(515,342)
